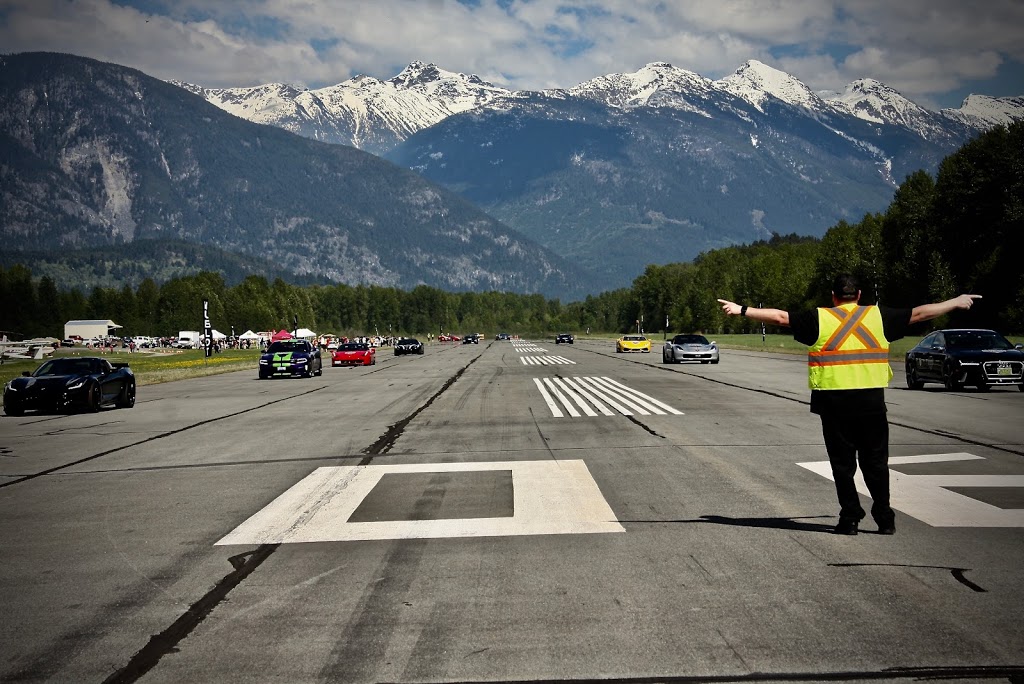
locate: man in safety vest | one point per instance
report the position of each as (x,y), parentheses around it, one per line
(847,371)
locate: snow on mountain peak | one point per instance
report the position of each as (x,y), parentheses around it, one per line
(874,101)
(983,111)
(657,83)
(755,81)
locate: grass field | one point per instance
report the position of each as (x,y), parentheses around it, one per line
(152,368)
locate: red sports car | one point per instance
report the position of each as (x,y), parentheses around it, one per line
(354,354)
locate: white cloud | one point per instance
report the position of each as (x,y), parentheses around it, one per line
(923,48)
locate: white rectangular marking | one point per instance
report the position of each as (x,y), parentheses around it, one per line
(549,497)
(555,411)
(924,496)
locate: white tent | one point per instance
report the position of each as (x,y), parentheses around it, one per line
(305,334)
(218,335)
(249,335)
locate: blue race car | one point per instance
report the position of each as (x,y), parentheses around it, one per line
(291,357)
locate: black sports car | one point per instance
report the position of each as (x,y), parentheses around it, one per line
(564,338)
(291,357)
(471,338)
(71,382)
(408,345)
(955,358)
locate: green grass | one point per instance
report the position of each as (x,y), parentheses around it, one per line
(153,368)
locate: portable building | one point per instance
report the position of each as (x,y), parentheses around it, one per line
(90,329)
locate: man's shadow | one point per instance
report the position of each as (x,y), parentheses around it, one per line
(776,523)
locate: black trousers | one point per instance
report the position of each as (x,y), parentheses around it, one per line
(864,439)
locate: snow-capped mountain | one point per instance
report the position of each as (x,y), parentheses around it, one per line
(876,102)
(757,83)
(982,111)
(363,111)
(655,85)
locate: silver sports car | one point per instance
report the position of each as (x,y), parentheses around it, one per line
(689,348)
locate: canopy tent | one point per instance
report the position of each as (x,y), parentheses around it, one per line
(249,335)
(218,335)
(305,334)
(281,335)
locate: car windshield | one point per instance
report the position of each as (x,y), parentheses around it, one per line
(408,340)
(69,367)
(288,346)
(634,338)
(689,339)
(977,339)
(354,346)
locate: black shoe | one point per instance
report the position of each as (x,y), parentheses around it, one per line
(846,527)
(888,529)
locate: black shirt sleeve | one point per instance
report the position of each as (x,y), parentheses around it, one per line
(804,325)
(895,322)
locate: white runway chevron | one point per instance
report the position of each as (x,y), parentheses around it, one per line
(594,395)
(545,360)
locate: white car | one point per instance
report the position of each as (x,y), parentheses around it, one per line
(689,348)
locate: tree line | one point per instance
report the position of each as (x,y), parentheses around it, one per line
(961,231)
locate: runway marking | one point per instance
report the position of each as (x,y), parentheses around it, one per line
(926,498)
(549,497)
(545,360)
(564,395)
(527,347)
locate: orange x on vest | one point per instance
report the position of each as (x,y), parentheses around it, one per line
(851,325)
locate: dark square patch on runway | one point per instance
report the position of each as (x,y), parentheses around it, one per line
(452,495)
(1007,498)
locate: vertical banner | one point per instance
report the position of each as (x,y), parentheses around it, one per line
(207,328)
(295,325)
(761,306)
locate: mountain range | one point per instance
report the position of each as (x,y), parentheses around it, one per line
(99,155)
(628,169)
(441,178)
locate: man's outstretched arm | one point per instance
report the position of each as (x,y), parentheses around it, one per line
(926,312)
(772,316)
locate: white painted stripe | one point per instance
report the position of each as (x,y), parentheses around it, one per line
(547,398)
(927,498)
(575,397)
(647,397)
(543,360)
(624,398)
(561,397)
(523,359)
(562,359)
(599,391)
(590,397)
(549,497)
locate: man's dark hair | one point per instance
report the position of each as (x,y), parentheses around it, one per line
(845,287)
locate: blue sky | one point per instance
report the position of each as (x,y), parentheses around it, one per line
(933,51)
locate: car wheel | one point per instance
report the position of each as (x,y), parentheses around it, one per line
(127,398)
(13,408)
(92,398)
(1021,387)
(983,386)
(949,380)
(703,362)
(913,382)
(714,361)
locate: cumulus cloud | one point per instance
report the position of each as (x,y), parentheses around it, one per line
(923,48)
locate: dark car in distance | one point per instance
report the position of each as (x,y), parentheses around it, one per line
(408,345)
(471,338)
(564,338)
(291,357)
(72,382)
(959,357)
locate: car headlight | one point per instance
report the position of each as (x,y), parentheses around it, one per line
(9,386)
(301,360)
(76,384)
(264,362)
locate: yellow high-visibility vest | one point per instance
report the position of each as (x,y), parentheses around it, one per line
(851,351)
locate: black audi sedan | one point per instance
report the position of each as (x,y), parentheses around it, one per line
(955,358)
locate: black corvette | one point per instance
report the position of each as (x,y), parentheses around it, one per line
(956,358)
(408,345)
(72,382)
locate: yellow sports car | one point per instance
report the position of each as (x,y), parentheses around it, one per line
(632,343)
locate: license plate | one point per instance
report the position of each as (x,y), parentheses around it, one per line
(1004,370)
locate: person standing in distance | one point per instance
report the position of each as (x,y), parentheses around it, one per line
(847,371)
